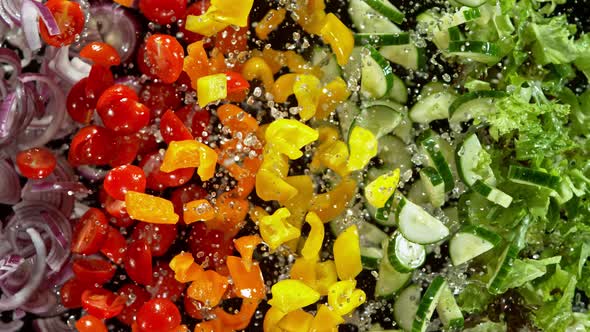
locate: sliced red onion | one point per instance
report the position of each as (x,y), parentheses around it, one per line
(9,57)
(16,38)
(12,9)
(30,11)
(53,324)
(15,281)
(10,184)
(9,264)
(13,326)
(65,68)
(22,296)
(69,187)
(18,314)
(42,302)
(91,173)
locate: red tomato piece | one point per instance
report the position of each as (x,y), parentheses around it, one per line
(92,145)
(163,11)
(237,86)
(158,237)
(198,8)
(200,124)
(93,270)
(142,62)
(193,307)
(124,178)
(79,105)
(90,323)
(209,247)
(102,303)
(127,147)
(71,292)
(69,18)
(172,128)
(147,143)
(163,284)
(101,54)
(125,116)
(158,315)
(184,195)
(115,93)
(36,163)
(164,56)
(138,263)
(159,97)
(99,79)
(232,40)
(115,208)
(158,180)
(135,297)
(90,232)
(115,246)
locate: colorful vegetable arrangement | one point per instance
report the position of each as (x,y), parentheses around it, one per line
(166,165)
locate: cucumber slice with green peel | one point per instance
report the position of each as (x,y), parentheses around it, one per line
(406,305)
(390,281)
(492,194)
(371,257)
(371,235)
(379,119)
(398,92)
(473,105)
(404,255)
(455,34)
(471,3)
(368,20)
(473,162)
(347,113)
(448,310)
(478,51)
(376,74)
(326,60)
(351,72)
(417,193)
(503,268)
(395,154)
(417,225)
(408,56)
(433,185)
(381,39)
(432,107)
(531,177)
(385,8)
(429,142)
(386,215)
(428,304)
(471,242)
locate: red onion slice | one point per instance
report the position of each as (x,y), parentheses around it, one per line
(53,324)
(66,69)
(30,11)
(10,57)
(68,187)
(10,184)
(9,264)
(13,326)
(91,173)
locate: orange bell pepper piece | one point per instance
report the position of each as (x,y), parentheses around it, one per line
(240,320)
(150,208)
(196,63)
(231,213)
(236,119)
(333,203)
(246,245)
(209,288)
(257,68)
(217,62)
(283,87)
(198,210)
(181,328)
(270,22)
(190,153)
(184,267)
(248,283)
(214,325)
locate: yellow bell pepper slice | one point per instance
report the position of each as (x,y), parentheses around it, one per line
(380,190)
(232,12)
(347,254)
(344,298)
(205,24)
(271,320)
(313,244)
(270,22)
(275,230)
(326,275)
(307,89)
(211,88)
(296,321)
(198,210)
(363,147)
(283,87)
(304,269)
(288,136)
(289,295)
(270,178)
(333,94)
(257,68)
(150,209)
(184,267)
(333,203)
(325,320)
(190,153)
(339,37)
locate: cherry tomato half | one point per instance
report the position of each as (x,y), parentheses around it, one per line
(80,106)
(184,195)
(127,147)
(36,163)
(173,129)
(158,315)
(138,263)
(115,246)
(102,303)
(71,292)
(93,270)
(99,79)
(158,97)
(90,232)
(90,323)
(91,145)
(158,237)
(232,40)
(164,285)
(124,178)
(124,116)
(136,296)
(164,56)
(101,54)
(163,11)
(158,180)
(69,18)
(210,247)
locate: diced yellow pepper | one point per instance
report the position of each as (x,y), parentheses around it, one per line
(347,254)
(211,88)
(205,24)
(344,298)
(333,203)
(275,230)
(190,153)
(298,64)
(270,178)
(271,320)
(334,156)
(307,89)
(198,210)
(289,295)
(232,12)
(288,136)
(283,87)
(270,22)
(313,244)
(326,275)
(333,94)
(257,68)
(380,190)
(325,320)
(339,37)
(310,15)
(150,209)
(296,321)
(363,147)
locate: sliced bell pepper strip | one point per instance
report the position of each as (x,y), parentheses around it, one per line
(150,208)
(236,119)
(325,320)
(283,87)
(240,320)
(289,295)
(296,321)
(209,288)
(214,325)
(248,283)
(270,22)
(289,136)
(313,244)
(347,254)
(246,245)
(196,63)
(333,94)
(271,320)
(190,153)
(307,90)
(257,68)
(339,37)
(362,148)
(326,275)
(343,297)
(275,230)
(184,267)
(333,203)
(198,210)
(304,269)
(380,190)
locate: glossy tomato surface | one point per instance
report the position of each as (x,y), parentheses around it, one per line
(90,232)
(69,18)
(36,163)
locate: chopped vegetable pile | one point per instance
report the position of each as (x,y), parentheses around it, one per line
(299,165)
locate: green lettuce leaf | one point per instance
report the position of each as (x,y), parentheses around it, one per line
(557,292)
(582,61)
(487,327)
(554,41)
(525,270)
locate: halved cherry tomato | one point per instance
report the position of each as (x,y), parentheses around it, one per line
(136,296)
(165,57)
(232,40)
(193,307)
(99,79)
(69,18)
(115,246)
(209,247)
(159,97)
(90,323)
(198,8)
(172,128)
(200,124)
(36,163)
(93,270)
(71,292)
(237,86)
(115,208)
(163,11)
(127,147)
(101,54)
(125,116)
(92,145)
(158,315)
(142,63)
(158,236)
(138,263)
(163,284)
(90,232)
(121,179)
(102,303)
(158,180)
(184,195)
(80,106)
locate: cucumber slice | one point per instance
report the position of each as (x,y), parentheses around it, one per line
(386,215)
(478,51)
(371,257)
(427,304)
(471,242)
(473,105)
(448,310)
(381,39)
(472,3)
(432,107)
(347,113)
(492,194)
(406,305)
(502,269)
(429,142)
(405,256)
(371,235)
(367,19)
(326,60)
(399,92)
(380,119)
(390,281)
(351,72)
(417,193)
(531,177)
(433,185)
(470,161)
(385,8)
(455,34)
(417,225)
(376,74)
(408,56)
(395,154)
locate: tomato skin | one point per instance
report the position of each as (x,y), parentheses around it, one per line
(125,116)
(200,124)
(158,315)
(231,40)
(101,54)
(100,78)
(237,86)
(197,8)
(90,323)
(71,292)
(158,180)
(102,303)
(164,285)
(36,163)
(184,195)
(163,11)
(79,105)
(158,237)
(193,307)
(69,18)
(172,128)
(136,296)
(90,232)
(124,178)
(93,270)
(91,145)
(127,147)
(158,97)
(209,247)
(138,263)
(115,246)
(164,56)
